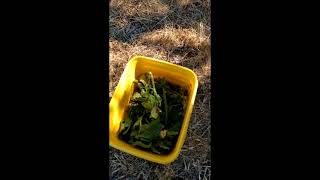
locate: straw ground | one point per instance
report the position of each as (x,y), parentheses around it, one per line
(177,31)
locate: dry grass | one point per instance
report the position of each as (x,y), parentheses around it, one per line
(177,31)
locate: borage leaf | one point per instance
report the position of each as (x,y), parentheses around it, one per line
(141,144)
(144,127)
(172,133)
(144,83)
(174,130)
(152,131)
(125,124)
(163,146)
(146,100)
(147,104)
(153,149)
(150,103)
(136,97)
(154,113)
(142,78)
(138,122)
(163,134)
(134,133)
(135,111)
(175,127)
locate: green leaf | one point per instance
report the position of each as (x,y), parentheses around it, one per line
(125,124)
(172,133)
(159,99)
(126,131)
(144,127)
(134,133)
(167,142)
(135,111)
(163,134)
(153,131)
(173,96)
(173,114)
(174,130)
(147,104)
(143,82)
(142,77)
(144,139)
(143,93)
(136,96)
(175,127)
(138,122)
(141,144)
(153,149)
(140,85)
(145,131)
(163,146)
(153,100)
(150,103)
(154,113)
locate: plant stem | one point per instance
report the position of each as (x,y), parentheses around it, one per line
(140,124)
(165,105)
(154,87)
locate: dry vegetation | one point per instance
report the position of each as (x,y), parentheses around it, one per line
(177,31)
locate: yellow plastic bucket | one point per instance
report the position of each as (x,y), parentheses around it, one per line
(173,73)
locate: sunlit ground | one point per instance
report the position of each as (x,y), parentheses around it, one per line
(177,31)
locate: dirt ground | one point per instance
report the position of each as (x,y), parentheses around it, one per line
(177,31)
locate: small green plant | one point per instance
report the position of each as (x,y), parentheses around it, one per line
(155,114)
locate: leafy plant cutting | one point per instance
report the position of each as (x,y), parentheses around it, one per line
(154,115)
